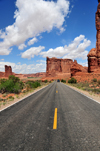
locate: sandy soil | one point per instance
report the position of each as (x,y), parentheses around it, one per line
(91,95)
(20,97)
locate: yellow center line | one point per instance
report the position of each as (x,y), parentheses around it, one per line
(56,91)
(55,119)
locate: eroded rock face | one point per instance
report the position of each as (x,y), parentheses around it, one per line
(8,71)
(77,68)
(56,66)
(63,67)
(2,74)
(66,65)
(94,54)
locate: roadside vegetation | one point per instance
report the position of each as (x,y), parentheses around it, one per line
(62,80)
(13,87)
(92,87)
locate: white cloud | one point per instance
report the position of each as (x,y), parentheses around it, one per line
(1,59)
(32,17)
(84,63)
(22,46)
(73,51)
(24,68)
(31,52)
(32,41)
(19,63)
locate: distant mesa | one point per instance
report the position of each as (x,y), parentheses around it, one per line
(63,68)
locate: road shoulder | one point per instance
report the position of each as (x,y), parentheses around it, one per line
(88,94)
(16,100)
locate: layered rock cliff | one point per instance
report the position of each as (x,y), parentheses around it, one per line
(63,67)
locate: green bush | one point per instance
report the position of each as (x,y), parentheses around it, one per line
(21,85)
(11,97)
(46,81)
(14,79)
(12,85)
(32,84)
(72,80)
(64,81)
(94,80)
(98,81)
(16,88)
(7,86)
(3,80)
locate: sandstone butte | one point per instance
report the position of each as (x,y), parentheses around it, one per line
(62,68)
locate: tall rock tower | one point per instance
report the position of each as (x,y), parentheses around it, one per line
(98,33)
(8,71)
(94,54)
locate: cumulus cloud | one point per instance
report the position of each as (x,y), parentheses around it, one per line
(1,59)
(31,52)
(32,41)
(73,51)
(22,46)
(32,17)
(24,68)
(84,63)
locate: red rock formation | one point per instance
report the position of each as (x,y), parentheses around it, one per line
(92,60)
(53,66)
(56,66)
(63,68)
(40,74)
(66,65)
(8,71)
(94,54)
(77,68)
(2,74)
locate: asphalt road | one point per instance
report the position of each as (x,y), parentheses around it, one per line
(28,125)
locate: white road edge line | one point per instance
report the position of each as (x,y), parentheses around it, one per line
(22,99)
(83,94)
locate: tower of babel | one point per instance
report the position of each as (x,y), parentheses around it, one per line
(94,54)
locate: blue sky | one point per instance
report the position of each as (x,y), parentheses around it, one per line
(31,30)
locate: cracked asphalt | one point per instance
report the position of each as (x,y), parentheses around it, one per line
(28,125)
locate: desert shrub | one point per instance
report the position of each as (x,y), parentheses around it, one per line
(11,97)
(3,80)
(46,81)
(64,81)
(16,88)
(7,86)
(98,81)
(72,80)
(96,91)
(11,85)
(21,85)
(14,79)
(94,80)
(32,84)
